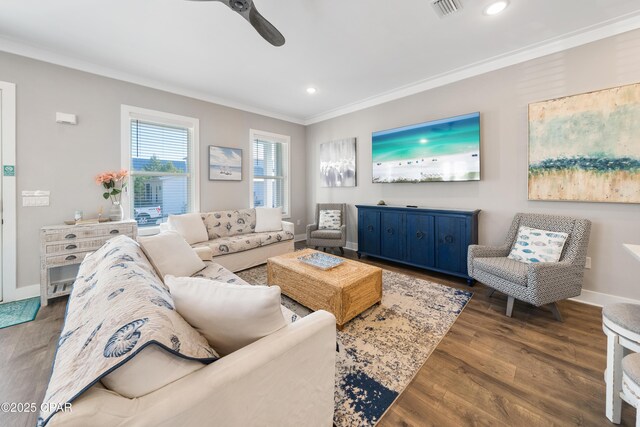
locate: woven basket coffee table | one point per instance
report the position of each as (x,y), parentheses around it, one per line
(346,290)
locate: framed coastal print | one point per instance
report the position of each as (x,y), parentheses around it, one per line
(225,164)
(586,147)
(338,163)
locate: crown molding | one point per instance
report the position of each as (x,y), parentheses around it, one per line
(570,40)
(22,49)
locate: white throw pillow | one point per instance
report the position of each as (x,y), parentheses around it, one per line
(268,219)
(229,316)
(169,253)
(148,371)
(330,219)
(190,226)
(533,245)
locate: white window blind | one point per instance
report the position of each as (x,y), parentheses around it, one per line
(270,157)
(161,171)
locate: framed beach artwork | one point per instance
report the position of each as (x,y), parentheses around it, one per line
(225,164)
(338,163)
(586,147)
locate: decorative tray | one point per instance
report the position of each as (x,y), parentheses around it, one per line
(321,260)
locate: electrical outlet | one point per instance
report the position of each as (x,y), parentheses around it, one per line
(587,263)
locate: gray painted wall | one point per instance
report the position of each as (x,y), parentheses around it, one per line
(502,97)
(64,159)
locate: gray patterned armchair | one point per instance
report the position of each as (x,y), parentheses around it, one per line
(328,238)
(542,283)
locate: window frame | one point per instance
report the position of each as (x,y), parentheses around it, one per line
(129,113)
(285,140)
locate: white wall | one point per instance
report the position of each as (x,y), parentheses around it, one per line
(502,97)
(64,159)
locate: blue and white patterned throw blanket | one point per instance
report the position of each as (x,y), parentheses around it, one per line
(118,307)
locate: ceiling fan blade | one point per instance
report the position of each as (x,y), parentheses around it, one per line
(265,28)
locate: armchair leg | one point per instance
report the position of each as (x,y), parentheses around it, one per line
(341,250)
(510,301)
(316,248)
(490,292)
(556,311)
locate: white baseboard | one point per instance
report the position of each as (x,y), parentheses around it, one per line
(21,293)
(299,237)
(353,246)
(599,299)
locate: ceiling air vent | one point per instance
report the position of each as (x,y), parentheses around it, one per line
(446,7)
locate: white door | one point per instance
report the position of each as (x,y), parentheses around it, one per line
(1,205)
(8,288)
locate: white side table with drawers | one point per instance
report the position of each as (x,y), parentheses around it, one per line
(62,245)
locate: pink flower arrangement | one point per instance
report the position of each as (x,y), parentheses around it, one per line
(114,183)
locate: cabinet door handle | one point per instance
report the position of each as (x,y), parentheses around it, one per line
(114,232)
(370,228)
(71,257)
(419,235)
(71,247)
(70,236)
(448,238)
(390,230)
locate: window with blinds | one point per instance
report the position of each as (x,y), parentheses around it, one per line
(270,164)
(162,171)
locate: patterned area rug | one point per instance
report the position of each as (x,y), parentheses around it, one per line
(380,351)
(16,312)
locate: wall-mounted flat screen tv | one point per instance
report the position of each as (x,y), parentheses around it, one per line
(439,150)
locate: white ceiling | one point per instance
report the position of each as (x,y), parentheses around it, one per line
(352,51)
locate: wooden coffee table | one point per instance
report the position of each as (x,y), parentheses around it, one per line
(346,290)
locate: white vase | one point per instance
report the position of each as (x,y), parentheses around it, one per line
(116,213)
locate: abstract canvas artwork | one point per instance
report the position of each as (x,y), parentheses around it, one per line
(225,164)
(586,147)
(338,163)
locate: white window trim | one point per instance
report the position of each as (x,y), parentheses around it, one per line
(286,140)
(129,113)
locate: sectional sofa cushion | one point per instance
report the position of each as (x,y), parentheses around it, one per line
(229,223)
(171,254)
(268,219)
(230,316)
(190,226)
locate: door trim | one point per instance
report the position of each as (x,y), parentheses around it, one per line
(9,258)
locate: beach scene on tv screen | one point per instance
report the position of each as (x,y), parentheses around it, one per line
(440,150)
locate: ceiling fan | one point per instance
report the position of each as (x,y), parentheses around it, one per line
(248,11)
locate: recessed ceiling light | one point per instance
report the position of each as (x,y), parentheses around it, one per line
(311,90)
(496,7)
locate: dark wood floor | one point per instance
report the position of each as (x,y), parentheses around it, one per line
(529,370)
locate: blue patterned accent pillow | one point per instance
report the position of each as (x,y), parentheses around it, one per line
(533,245)
(330,219)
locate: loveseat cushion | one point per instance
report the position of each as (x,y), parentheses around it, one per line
(229,223)
(505,268)
(244,242)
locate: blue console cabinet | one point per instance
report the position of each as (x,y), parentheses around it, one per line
(434,239)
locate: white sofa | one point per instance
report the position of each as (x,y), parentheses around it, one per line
(234,243)
(286,378)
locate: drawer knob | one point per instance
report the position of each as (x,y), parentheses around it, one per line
(370,228)
(71,257)
(114,232)
(70,236)
(448,238)
(390,230)
(71,247)
(419,235)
